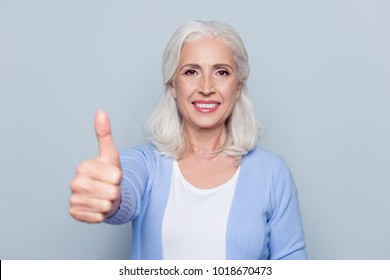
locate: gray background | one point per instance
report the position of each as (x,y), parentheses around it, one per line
(320,81)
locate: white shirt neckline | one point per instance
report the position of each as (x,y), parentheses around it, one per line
(187,184)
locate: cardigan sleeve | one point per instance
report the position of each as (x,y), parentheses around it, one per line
(286,237)
(135,174)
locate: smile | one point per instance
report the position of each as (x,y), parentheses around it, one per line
(206,106)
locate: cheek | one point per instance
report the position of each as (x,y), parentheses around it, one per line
(180,93)
(184,90)
(231,91)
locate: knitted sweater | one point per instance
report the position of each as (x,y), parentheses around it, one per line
(264,220)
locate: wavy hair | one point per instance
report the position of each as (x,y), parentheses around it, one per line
(164,126)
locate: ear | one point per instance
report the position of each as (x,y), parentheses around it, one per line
(172,88)
(239,88)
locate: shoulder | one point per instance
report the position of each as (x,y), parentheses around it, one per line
(147,150)
(143,154)
(265,163)
(262,157)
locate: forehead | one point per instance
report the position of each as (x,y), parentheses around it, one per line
(206,50)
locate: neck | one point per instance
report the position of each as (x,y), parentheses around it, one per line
(204,142)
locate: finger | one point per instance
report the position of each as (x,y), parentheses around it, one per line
(85,216)
(107,150)
(100,171)
(94,189)
(89,204)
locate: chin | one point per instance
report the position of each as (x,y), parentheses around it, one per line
(208,125)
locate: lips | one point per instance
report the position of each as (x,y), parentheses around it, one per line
(206,106)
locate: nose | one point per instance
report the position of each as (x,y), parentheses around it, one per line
(207,85)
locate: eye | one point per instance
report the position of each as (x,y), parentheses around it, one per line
(223,72)
(190,72)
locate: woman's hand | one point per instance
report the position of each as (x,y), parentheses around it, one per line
(96,192)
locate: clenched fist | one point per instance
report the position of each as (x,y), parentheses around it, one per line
(95,189)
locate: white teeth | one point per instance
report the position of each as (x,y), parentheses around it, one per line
(205,105)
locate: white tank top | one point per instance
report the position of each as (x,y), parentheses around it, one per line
(194,225)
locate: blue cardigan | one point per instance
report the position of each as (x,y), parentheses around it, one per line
(264,220)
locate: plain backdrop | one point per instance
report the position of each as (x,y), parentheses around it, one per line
(320,83)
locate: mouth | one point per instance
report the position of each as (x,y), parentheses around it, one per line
(206,106)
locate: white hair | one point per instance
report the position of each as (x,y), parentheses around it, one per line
(164,125)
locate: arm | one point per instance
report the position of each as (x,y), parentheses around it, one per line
(135,174)
(286,230)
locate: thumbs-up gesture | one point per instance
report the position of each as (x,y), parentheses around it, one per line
(95,189)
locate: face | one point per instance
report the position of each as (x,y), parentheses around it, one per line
(206,85)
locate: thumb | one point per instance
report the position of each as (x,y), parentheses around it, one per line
(107,150)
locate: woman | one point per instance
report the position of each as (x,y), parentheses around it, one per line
(201,189)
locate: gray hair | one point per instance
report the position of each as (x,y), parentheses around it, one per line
(164,125)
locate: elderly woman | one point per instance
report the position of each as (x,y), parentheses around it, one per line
(201,189)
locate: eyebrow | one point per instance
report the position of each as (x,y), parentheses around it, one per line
(197,66)
(190,65)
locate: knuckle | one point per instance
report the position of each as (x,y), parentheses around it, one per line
(77,185)
(97,218)
(116,175)
(73,212)
(106,206)
(74,185)
(77,201)
(73,200)
(114,193)
(84,167)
